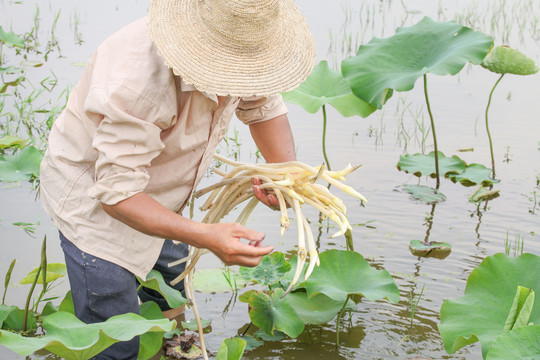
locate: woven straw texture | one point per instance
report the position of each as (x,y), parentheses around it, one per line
(233,47)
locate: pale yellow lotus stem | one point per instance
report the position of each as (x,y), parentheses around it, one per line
(318,175)
(219,172)
(288,181)
(345,188)
(225,160)
(284,190)
(189,288)
(340,175)
(284,220)
(312,248)
(301,260)
(244,215)
(216,186)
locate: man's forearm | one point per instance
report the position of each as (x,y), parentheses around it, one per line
(147,215)
(274,139)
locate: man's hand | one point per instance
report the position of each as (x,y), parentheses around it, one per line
(227,244)
(267,199)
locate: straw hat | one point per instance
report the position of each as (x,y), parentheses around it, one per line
(233,47)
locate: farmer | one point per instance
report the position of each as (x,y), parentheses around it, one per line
(139,131)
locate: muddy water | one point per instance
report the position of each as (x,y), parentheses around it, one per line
(378,330)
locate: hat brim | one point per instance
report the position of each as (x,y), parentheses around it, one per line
(201,59)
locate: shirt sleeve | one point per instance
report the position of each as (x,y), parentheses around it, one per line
(256,109)
(125,140)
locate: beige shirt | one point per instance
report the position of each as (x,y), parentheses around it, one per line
(129,126)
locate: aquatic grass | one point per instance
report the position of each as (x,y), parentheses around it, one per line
(414,300)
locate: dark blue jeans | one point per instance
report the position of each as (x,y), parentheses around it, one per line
(101,289)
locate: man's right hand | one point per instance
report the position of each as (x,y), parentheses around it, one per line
(228,246)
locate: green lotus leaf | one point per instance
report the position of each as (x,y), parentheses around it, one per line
(277,336)
(71,339)
(214,281)
(474,174)
(271,313)
(231,349)
(13,319)
(47,310)
(11,141)
(481,314)
(66,304)
(21,166)
(10,39)
(424,193)
(150,342)
(343,273)
(441,48)
(521,343)
(484,194)
(270,270)
(419,164)
(191,324)
(54,271)
(520,312)
(5,310)
(319,309)
(155,281)
(505,60)
(436,249)
(251,342)
(327,86)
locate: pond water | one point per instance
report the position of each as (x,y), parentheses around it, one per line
(378,330)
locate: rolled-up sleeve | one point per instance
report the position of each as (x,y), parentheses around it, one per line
(256,109)
(125,140)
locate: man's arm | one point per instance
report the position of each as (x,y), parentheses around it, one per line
(275,141)
(144,213)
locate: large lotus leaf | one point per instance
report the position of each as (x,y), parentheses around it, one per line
(419,164)
(521,343)
(71,339)
(150,342)
(271,313)
(424,193)
(505,60)
(155,281)
(442,48)
(270,270)
(10,39)
(214,281)
(474,174)
(20,166)
(319,309)
(327,86)
(54,271)
(343,273)
(481,314)
(231,349)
